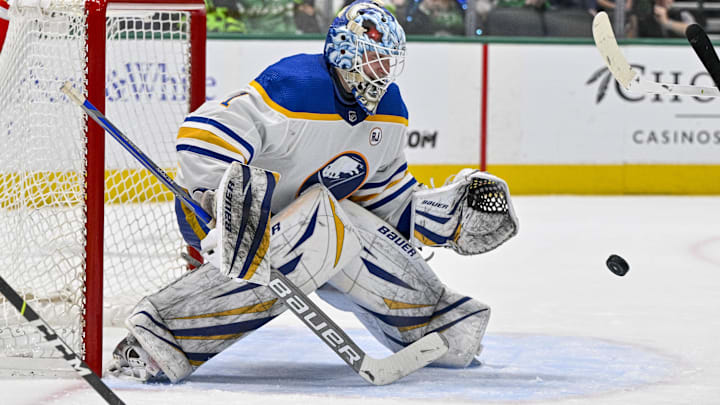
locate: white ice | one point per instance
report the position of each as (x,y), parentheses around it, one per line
(564,329)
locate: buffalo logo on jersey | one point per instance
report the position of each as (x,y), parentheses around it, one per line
(341,175)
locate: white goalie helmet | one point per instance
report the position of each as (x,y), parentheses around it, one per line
(367,46)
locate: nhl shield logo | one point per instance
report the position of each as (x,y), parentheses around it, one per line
(375,136)
(352,116)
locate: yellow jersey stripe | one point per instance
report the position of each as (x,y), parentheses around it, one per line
(318,116)
(292,114)
(208,137)
(387,118)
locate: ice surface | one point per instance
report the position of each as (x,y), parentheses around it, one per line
(564,329)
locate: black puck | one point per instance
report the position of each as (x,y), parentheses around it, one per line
(617,265)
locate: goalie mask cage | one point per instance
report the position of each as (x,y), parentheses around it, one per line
(85,229)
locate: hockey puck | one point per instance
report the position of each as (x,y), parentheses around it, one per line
(617,265)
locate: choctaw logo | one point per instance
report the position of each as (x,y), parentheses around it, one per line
(375,136)
(342,175)
(605,80)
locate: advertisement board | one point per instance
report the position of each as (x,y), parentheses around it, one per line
(557,122)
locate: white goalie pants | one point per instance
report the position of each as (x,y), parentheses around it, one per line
(388,286)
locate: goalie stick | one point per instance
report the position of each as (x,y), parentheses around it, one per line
(628,77)
(704,50)
(375,371)
(49,334)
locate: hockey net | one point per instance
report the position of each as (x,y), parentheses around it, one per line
(142,61)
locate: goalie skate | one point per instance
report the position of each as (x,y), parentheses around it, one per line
(131,362)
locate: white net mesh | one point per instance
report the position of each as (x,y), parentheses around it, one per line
(43,157)
(147,97)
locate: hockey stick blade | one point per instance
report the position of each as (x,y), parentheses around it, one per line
(628,77)
(53,338)
(610,51)
(376,371)
(704,50)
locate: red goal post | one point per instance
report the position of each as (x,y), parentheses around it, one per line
(90,231)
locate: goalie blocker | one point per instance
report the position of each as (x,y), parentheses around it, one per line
(239,242)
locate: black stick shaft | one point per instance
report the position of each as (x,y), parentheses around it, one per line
(68,354)
(704,50)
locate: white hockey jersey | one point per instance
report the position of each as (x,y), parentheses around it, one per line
(290,120)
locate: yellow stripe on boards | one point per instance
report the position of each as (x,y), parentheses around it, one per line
(136,186)
(64,189)
(591,179)
(610,179)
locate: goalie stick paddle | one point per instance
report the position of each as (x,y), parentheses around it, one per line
(376,371)
(704,50)
(628,77)
(52,337)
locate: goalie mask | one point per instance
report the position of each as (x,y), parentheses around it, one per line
(367,45)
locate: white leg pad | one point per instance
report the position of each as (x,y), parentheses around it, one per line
(149,329)
(462,321)
(399,299)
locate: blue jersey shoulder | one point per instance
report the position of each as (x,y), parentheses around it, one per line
(392,103)
(299,83)
(302,83)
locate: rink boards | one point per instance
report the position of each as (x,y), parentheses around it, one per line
(554,119)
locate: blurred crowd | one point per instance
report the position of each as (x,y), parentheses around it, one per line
(532,18)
